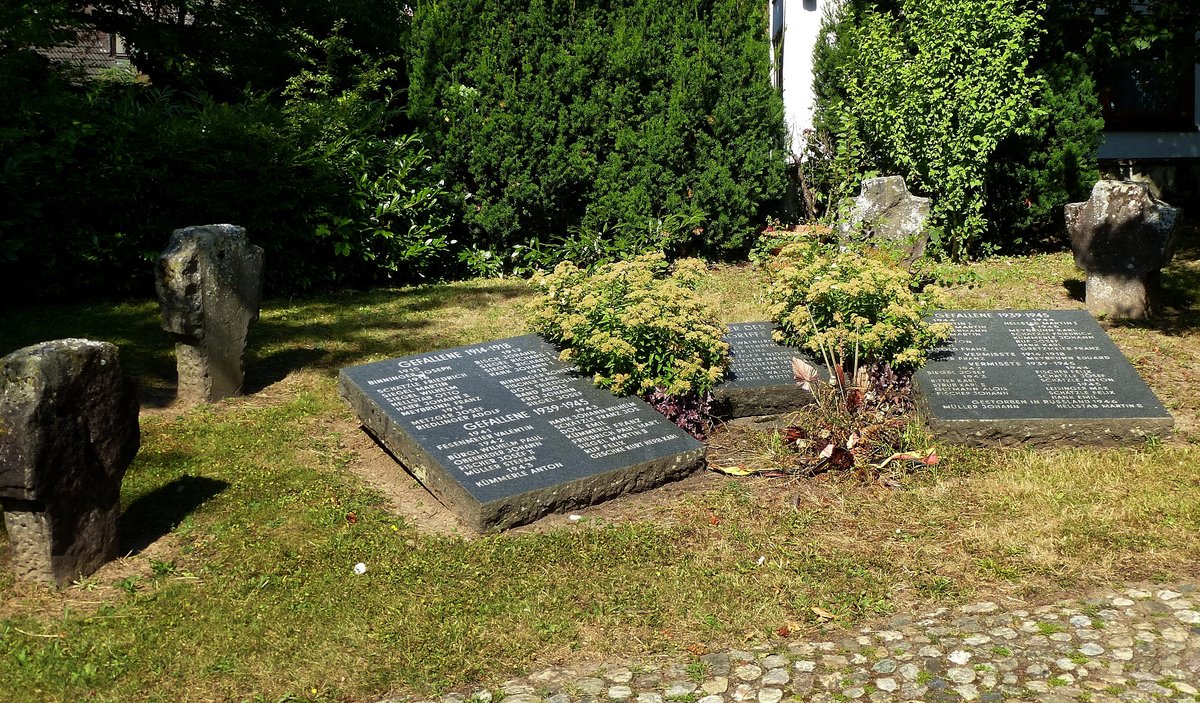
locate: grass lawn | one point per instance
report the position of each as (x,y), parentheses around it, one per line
(243,520)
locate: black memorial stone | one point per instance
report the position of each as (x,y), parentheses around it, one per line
(504,433)
(1036,377)
(760,380)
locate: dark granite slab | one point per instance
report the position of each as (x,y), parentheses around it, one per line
(1041,377)
(504,433)
(760,380)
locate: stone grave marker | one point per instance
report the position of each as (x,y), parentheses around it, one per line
(68,430)
(209,284)
(504,433)
(885,213)
(1035,377)
(1121,237)
(760,380)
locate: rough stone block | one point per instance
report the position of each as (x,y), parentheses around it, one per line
(886,214)
(1121,237)
(68,430)
(209,282)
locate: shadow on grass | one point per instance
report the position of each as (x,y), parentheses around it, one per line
(146,351)
(343,329)
(324,332)
(265,370)
(1076,288)
(158,512)
(1180,290)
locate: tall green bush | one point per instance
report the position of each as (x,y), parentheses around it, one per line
(386,211)
(973,101)
(938,89)
(1051,162)
(593,121)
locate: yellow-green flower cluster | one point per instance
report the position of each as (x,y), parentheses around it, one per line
(851,303)
(635,325)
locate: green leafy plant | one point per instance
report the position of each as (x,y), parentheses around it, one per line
(638,327)
(987,107)
(388,213)
(848,306)
(605,120)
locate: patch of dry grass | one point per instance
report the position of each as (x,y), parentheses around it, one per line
(240,585)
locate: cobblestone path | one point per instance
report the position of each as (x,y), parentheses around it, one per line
(1138,644)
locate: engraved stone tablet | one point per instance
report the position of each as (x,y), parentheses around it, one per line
(760,380)
(1049,377)
(504,433)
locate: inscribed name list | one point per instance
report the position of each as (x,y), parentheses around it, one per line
(1037,365)
(756,358)
(483,424)
(760,380)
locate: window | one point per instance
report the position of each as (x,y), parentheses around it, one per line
(116,47)
(1150,95)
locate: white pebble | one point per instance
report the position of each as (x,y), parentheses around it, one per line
(984,607)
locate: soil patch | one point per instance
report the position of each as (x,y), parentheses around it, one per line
(407,498)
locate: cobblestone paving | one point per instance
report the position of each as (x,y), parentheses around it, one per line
(1139,644)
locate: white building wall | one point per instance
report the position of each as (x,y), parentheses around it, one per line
(795,25)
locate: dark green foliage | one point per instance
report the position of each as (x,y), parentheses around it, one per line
(1000,184)
(96,179)
(25,24)
(226,48)
(1034,174)
(565,130)
(592,121)
(1109,31)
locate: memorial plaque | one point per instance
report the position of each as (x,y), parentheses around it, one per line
(1035,377)
(760,380)
(504,433)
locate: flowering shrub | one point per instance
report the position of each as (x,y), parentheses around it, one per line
(776,242)
(637,325)
(853,307)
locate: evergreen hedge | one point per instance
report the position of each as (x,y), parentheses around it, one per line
(593,129)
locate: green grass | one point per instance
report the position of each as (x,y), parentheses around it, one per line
(240,584)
